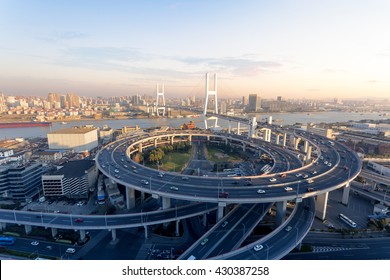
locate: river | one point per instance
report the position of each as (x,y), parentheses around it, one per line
(279,118)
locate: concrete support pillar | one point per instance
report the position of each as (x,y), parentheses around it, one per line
(280,211)
(306,147)
(172,139)
(54,232)
(208,138)
(221,207)
(284,139)
(130,198)
(166,202)
(277,139)
(296,143)
(321,204)
(346,190)
(142,197)
(226,141)
(238,129)
(82,234)
(146,232)
(243,147)
(3,225)
(27,229)
(140,147)
(308,154)
(204,219)
(113,234)
(190,138)
(230,127)
(177,231)
(292,141)
(155,142)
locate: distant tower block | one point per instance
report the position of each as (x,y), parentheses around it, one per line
(160,100)
(209,93)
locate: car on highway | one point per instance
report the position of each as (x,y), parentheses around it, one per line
(223,195)
(314,172)
(288,228)
(35,243)
(288,189)
(70,250)
(298,175)
(144,182)
(80,203)
(174,188)
(161,174)
(272,180)
(310,181)
(224,224)
(204,241)
(305,176)
(49,247)
(79,220)
(135,170)
(258,247)
(329,164)
(260,191)
(185,178)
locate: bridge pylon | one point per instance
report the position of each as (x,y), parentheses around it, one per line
(210,92)
(160,100)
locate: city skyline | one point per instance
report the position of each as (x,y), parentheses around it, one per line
(290,49)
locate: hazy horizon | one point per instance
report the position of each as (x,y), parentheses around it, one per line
(293,49)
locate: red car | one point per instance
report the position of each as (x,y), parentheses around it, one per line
(79,220)
(224,194)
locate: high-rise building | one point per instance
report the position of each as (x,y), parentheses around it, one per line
(73,100)
(223,108)
(245,100)
(22,182)
(254,103)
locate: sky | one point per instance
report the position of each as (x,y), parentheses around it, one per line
(294,49)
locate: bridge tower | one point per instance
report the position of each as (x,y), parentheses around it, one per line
(210,92)
(160,100)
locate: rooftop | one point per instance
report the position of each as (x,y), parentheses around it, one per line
(74,130)
(75,168)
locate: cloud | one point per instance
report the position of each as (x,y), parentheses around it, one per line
(237,66)
(61,36)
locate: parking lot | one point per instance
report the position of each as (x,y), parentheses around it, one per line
(65,207)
